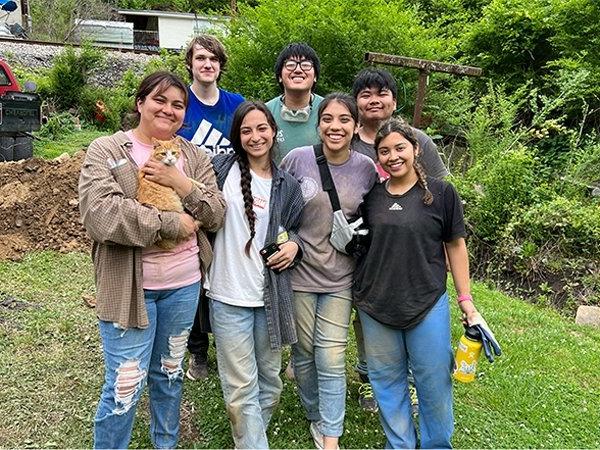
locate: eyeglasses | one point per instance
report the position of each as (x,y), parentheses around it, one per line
(305,65)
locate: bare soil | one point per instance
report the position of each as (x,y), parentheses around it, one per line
(39,206)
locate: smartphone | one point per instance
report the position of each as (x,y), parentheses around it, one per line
(269,250)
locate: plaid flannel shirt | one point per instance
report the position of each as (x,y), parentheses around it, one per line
(120,226)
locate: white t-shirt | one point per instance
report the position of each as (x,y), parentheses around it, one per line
(235,278)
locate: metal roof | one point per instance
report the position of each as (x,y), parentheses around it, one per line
(173,14)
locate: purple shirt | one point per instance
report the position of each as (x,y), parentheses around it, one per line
(324,269)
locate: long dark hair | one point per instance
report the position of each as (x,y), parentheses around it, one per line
(394,125)
(242,159)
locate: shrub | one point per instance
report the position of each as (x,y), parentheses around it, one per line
(69,75)
(341,32)
(512,40)
(571,226)
(58,125)
(499,186)
(545,42)
(172,62)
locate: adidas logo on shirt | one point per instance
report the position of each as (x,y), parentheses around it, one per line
(211,140)
(396,207)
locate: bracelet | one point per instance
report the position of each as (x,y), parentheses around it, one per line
(464,298)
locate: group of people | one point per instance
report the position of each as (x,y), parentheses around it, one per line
(254,262)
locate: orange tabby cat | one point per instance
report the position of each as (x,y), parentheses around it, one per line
(161,197)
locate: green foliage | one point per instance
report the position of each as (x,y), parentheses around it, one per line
(503,184)
(54,20)
(582,169)
(172,62)
(451,19)
(545,42)
(58,125)
(118,101)
(69,75)
(490,127)
(340,32)
(106,108)
(192,6)
(512,39)
(527,201)
(571,226)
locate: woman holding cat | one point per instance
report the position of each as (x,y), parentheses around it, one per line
(250,293)
(146,296)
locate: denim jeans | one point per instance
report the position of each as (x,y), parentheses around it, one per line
(427,347)
(133,356)
(248,369)
(322,322)
(361,365)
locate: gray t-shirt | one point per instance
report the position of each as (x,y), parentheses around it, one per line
(430,158)
(324,269)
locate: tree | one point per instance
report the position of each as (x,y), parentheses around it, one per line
(54,20)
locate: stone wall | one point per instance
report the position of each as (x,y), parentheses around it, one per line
(37,56)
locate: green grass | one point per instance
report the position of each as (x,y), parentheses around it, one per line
(68,143)
(543,392)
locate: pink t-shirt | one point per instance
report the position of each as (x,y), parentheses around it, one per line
(166,269)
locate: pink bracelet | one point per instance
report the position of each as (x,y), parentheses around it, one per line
(464,298)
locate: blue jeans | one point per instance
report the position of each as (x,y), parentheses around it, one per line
(427,347)
(248,369)
(361,365)
(155,354)
(322,322)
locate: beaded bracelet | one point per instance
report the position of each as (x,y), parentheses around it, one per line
(464,298)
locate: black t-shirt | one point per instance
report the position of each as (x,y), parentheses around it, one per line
(403,273)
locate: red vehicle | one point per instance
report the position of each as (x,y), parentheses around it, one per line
(8,82)
(20,114)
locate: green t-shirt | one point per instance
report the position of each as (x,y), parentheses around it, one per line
(294,134)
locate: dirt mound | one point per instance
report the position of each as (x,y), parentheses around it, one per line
(39,206)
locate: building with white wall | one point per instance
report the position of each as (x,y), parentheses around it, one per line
(166,29)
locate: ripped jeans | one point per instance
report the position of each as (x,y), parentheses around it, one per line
(135,355)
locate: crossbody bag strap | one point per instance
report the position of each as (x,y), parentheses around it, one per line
(326,179)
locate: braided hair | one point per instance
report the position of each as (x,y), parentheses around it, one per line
(394,125)
(243,163)
(245,184)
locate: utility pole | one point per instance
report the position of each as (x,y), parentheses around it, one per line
(425,67)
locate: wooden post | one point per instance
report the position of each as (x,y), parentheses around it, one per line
(425,67)
(420,101)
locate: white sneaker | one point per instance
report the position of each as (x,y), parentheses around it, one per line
(316,435)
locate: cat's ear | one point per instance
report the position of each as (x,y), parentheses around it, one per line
(178,140)
(156,142)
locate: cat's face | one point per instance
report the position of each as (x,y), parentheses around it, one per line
(167,152)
